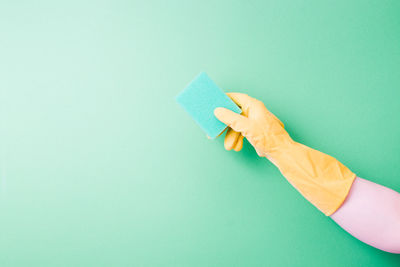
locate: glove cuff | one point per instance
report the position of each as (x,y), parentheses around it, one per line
(320,178)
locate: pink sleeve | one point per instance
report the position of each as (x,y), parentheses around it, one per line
(371,213)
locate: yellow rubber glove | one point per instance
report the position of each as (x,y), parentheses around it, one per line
(320,178)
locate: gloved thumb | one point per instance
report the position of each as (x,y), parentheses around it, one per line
(237,122)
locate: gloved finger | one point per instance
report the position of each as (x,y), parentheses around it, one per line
(231,138)
(240,99)
(244,101)
(239,143)
(236,121)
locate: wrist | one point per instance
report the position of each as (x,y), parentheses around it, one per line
(285,147)
(279,144)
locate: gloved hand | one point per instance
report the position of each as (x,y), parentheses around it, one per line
(320,178)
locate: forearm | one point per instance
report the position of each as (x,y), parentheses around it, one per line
(366,210)
(371,213)
(320,178)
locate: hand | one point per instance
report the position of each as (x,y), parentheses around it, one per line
(320,178)
(261,128)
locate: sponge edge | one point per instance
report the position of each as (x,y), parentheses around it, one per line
(200,98)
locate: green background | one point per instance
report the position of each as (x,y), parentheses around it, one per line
(100,166)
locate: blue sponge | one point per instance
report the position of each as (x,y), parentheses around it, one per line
(200,98)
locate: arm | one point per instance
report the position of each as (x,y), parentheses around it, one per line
(369,212)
